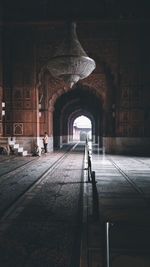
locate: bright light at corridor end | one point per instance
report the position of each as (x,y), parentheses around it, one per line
(82,129)
(82,122)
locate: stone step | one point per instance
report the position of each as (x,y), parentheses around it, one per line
(16,146)
(23,153)
(20,149)
(11,143)
(4,141)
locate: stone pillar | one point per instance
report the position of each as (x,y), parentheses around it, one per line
(99,132)
(50,128)
(37,130)
(96,131)
(50,119)
(70,131)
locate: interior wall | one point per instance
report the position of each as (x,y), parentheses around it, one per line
(121,51)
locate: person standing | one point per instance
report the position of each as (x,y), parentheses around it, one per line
(45,142)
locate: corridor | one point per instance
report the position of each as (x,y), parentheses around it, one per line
(51,216)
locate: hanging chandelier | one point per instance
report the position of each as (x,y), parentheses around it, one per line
(70,63)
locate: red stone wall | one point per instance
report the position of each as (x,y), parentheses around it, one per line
(19,85)
(132,106)
(121,52)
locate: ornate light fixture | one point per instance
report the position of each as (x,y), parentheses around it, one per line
(70,62)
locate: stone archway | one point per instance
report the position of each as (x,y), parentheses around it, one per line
(97,86)
(82,128)
(73,103)
(72,118)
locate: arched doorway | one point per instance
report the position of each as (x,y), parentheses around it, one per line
(82,129)
(69,106)
(62,105)
(76,114)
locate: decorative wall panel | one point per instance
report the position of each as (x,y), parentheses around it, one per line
(18,104)
(124,116)
(18,128)
(27,93)
(27,105)
(18,94)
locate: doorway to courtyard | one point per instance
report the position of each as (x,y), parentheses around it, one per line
(82,129)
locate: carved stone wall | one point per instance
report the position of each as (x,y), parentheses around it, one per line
(19,81)
(121,51)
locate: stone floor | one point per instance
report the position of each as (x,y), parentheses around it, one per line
(45,228)
(61,221)
(121,196)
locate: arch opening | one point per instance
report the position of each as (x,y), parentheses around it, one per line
(60,108)
(82,129)
(70,106)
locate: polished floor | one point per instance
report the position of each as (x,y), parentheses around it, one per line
(120,199)
(51,216)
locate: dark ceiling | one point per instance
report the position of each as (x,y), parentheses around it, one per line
(79,9)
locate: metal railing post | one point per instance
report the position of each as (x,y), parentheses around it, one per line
(89,167)
(107,245)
